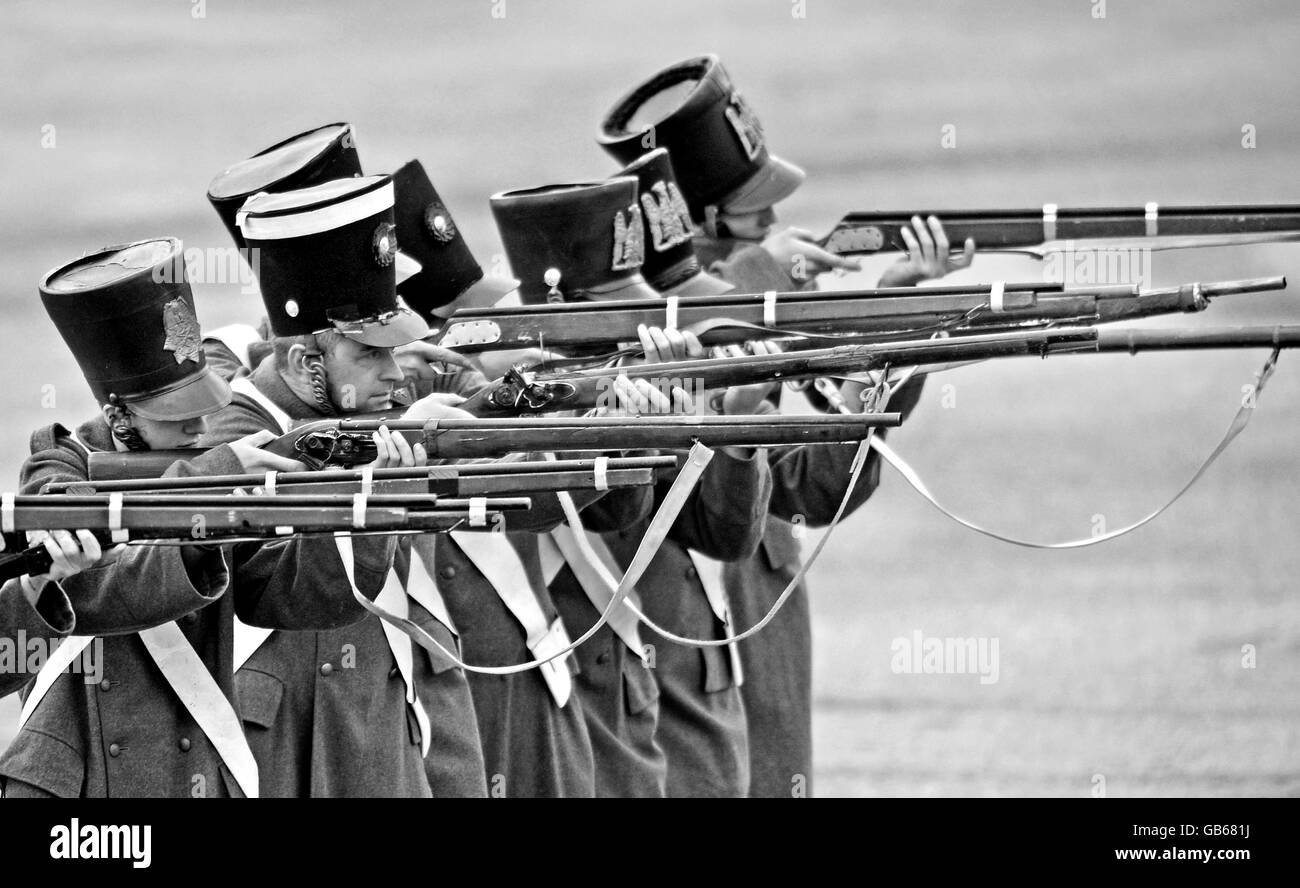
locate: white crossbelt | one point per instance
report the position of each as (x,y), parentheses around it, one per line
(188,676)
(393,598)
(598,579)
(709,571)
(501,565)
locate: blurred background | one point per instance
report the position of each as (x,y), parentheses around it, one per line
(1123,661)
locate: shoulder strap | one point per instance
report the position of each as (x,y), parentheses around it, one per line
(709,571)
(68,650)
(501,565)
(249,638)
(597,579)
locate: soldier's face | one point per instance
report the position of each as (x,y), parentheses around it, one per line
(749,226)
(362,377)
(168,435)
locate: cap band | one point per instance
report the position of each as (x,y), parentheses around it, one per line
(314,221)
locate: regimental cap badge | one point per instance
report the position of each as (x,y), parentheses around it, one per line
(385,243)
(667,216)
(182,329)
(438,222)
(629,240)
(745,123)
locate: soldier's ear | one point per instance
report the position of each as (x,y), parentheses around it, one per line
(107,411)
(296,361)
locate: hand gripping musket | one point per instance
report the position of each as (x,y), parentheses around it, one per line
(1052,229)
(348,443)
(819,318)
(527,391)
(215,519)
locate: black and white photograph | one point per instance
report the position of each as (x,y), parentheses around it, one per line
(743,399)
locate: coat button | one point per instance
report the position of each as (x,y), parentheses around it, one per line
(447,572)
(392,673)
(691,572)
(327,669)
(190,619)
(184,744)
(114,750)
(105,685)
(603,657)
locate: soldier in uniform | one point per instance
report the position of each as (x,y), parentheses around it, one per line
(534,742)
(161,719)
(730,183)
(678,727)
(352,712)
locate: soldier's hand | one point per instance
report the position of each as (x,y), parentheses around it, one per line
(495,364)
(70,555)
(396,452)
(417,359)
(634,397)
(662,345)
(797,254)
(744,399)
(928,255)
(439,405)
(248,450)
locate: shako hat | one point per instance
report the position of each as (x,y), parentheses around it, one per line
(326,259)
(127,314)
(572,242)
(670,266)
(449,273)
(716,141)
(318,155)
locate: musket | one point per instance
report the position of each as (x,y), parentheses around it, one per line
(213,520)
(346,443)
(818,318)
(1051,228)
(483,479)
(529,391)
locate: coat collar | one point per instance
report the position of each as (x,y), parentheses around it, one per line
(270,383)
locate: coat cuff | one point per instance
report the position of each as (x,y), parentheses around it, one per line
(734,489)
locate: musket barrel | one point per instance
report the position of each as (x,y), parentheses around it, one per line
(659,433)
(521,476)
(1134,341)
(1249,285)
(254,504)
